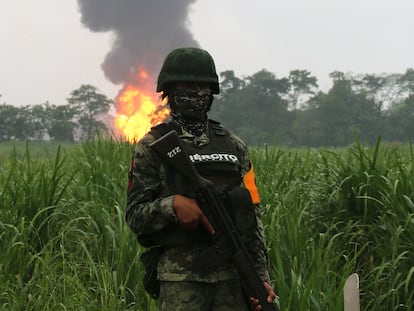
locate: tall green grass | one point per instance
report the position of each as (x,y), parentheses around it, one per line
(64,244)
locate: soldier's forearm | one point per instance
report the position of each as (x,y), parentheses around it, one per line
(150,217)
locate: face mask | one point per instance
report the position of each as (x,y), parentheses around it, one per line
(193,103)
(189,108)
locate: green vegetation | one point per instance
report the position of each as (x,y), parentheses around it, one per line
(80,119)
(64,244)
(291,111)
(36,149)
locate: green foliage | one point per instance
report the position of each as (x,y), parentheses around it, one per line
(301,83)
(372,191)
(260,108)
(63,239)
(291,111)
(88,105)
(12,122)
(59,122)
(64,243)
(403,115)
(84,115)
(331,212)
(259,99)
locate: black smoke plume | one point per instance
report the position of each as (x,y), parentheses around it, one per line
(144,32)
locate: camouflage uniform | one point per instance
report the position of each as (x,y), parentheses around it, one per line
(151,217)
(218,296)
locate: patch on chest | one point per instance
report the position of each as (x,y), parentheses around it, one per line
(214,157)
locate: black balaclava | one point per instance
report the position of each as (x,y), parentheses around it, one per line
(189,108)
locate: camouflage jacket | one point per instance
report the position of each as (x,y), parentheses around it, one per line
(151,217)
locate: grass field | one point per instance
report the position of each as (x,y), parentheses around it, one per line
(64,244)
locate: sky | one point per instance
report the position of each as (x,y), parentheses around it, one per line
(47,51)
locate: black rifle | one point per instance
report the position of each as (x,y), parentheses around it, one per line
(226,236)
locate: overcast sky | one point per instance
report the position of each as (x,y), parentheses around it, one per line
(46,52)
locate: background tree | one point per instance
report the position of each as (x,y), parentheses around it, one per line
(15,123)
(401,121)
(260,108)
(227,106)
(89,105)
(267,107)
(60,124)
(8,116)
(37,121)
(343,112)
(307,129)
(253,107)
(301,85)
(230,84)
(407,82)
(385,89)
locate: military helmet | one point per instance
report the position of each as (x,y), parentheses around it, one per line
(188,65)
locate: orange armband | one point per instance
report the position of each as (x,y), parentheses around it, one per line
(250,184)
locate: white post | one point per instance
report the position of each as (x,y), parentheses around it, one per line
(351,293)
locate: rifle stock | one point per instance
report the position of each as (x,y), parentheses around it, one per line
(170,149)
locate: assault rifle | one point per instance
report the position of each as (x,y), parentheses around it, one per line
(226,236)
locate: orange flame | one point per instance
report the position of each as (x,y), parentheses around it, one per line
(138,111)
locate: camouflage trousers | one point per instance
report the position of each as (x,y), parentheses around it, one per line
(200,296)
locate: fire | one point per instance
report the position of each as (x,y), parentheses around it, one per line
(138,110)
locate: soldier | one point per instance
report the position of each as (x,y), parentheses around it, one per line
(183,267)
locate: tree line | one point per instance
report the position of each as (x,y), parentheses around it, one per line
(294,111)
(79,119)
(260,108)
